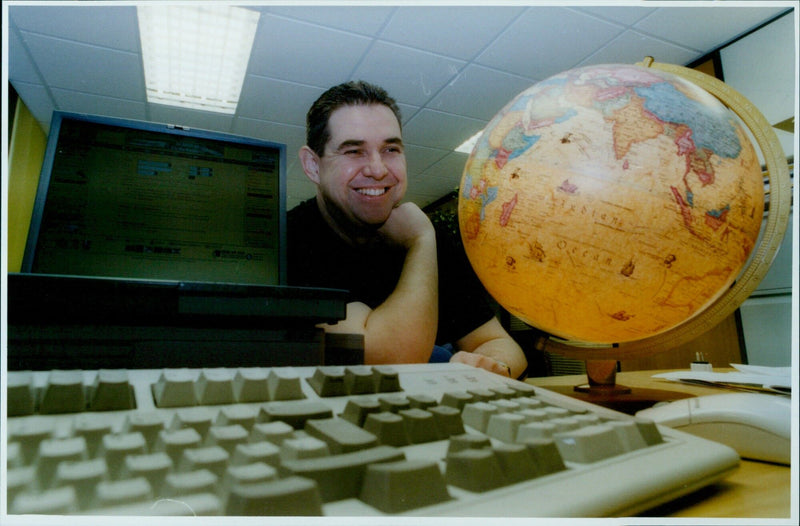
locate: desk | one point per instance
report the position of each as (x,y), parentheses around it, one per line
(756,489)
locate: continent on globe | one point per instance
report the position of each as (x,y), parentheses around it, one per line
(610,203)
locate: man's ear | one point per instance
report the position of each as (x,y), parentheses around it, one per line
(309,160)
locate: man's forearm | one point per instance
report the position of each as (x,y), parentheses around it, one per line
(403,328)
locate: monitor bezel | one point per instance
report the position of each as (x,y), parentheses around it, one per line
(59,117)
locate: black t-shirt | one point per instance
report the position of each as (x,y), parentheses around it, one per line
(318,257)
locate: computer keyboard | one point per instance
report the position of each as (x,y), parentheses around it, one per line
(426,440)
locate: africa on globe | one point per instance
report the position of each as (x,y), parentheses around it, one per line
(610,203)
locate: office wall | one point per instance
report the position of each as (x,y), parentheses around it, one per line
(25,155)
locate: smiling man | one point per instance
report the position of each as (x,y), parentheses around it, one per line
(411,289)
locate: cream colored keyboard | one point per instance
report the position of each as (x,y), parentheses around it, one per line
(432,439)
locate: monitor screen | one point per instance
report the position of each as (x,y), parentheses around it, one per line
(135,200)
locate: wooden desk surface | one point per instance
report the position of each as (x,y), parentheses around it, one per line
(756,489)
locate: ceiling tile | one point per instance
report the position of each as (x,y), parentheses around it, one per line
(706,27)
(82,67)
(20,66)
(119,25)
(440,130)
(361,20)
(419,158)
(412,76)
(304,53)
(479,92)
(292,136)
(527,47)
(459,32)
(547,40)
(632,47)
(275,100)
(625,15)
(79,102)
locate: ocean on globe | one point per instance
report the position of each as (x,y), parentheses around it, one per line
(610,203)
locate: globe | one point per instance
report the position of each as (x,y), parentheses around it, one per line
(611,203)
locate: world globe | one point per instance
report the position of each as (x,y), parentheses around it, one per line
(612,203)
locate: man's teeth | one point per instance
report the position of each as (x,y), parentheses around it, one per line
(371,191)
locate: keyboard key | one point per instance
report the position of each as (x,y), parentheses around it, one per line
(386,379)
(546,457)
(457,399)
(189,483)
(117,446)
(388,427)
(421,401)
(340,435)
(214,386)
(53,451)
(275,432)
(197,418)
(112,493)
(29,433)
(153,466)
(288,496)
(111,391)
(303,448)
(475,470)
(250,385)
(248,474)
(357,409)
(589,444)
(515,462)
(394,404)
(482,395)
(447,420)
(242,415)
(174,443)
(504,426)
(92,427)
(476,415)
(420,426)
(466,441)
(226,437)
(358,380)
(628,433)
(174,388)
(649,431)
(265,452)
(213,458)
(340,476)
(20,394)
(84,476)
(535,431)
(148,423)
(395,487)
(284,384)
(56,501)
(63,393)
(328,381)
(295,412)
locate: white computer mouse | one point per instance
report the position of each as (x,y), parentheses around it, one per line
(757,426)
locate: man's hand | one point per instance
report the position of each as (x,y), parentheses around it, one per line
(406,224)
(481,361)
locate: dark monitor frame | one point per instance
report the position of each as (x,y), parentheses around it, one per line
(169,129)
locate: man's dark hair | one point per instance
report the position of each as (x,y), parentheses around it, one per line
(348,94)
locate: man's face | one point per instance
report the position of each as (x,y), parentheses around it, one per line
(362,175)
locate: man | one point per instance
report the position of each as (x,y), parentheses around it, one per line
(409,288)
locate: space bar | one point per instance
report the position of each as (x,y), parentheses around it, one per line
(340,476)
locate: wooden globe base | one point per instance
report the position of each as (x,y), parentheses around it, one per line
(603,390)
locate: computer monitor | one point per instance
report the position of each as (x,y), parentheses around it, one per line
(136,200)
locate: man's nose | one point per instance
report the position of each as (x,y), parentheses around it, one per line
(375,166)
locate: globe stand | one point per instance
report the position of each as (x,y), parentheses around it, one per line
(602,376)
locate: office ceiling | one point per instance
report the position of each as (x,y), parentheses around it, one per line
(450,68)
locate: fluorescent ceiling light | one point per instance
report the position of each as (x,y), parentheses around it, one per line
(469,144)
(195,56)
